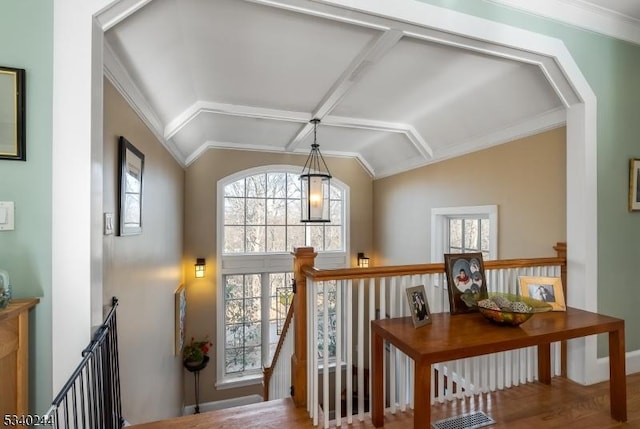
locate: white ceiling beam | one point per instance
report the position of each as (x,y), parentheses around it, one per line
(189,114)
(358,67)
(392,127)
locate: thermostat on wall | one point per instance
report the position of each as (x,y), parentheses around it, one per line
(6,216)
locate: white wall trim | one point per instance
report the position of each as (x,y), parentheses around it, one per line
(581,14)
(439,227)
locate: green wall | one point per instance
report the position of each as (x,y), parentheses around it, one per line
(26,28)
(612,69)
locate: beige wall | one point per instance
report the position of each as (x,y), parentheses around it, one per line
(143,271)
(525,178)
(200,239)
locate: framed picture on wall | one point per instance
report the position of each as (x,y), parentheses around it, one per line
(131,169)
(180,317)
(466,281)
(418,306)
(634,185)
(12,114)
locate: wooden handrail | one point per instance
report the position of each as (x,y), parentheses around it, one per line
(401,270)
(267,371)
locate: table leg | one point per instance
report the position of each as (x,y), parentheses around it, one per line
(422,396)
(377,386)
(544,363)
(617,375)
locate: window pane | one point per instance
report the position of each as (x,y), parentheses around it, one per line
(333,238)
(336,193)
(471,234)
(234,313)
(293,186)
(233,239)
(253,358)
(234,360)
(235,189)
(257,186)
(253,286)
(276,185)
(234,335)
(234,211)
(295,237)
(455,233)
(315,237)
(276,212)
(255,239)
(234,287)
(252,334)
(484,235)
(256,211)
(336,212)
(276,239)
(293,212)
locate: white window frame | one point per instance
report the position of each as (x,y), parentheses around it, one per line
(259,263)
(440,227)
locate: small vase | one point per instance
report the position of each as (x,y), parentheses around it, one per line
(193,363)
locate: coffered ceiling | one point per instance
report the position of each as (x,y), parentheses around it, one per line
(251,74)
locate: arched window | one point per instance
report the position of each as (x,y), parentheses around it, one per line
(258,227)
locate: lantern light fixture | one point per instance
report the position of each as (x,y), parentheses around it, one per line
(315,181)
(199,268)
(363,261)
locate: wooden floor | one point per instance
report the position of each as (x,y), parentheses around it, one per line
(564,404)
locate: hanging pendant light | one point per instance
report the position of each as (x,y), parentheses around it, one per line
(315,184)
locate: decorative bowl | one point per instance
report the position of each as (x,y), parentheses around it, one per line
(509,309)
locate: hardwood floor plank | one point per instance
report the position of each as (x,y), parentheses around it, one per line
(563,404)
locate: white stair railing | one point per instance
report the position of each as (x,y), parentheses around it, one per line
(340,312)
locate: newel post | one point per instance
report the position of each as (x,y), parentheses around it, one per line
(303,257)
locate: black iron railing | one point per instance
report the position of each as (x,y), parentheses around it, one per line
(90,399)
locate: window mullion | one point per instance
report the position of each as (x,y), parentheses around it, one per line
(265,289)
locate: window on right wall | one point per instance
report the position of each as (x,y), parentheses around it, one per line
(464,230)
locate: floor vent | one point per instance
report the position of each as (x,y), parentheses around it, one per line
(465,421)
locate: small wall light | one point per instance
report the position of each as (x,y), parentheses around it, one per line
(363,261)
(199,265)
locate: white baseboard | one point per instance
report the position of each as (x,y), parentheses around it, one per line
(226,403)
(632,366)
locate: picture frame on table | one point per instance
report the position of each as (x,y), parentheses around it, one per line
(131,170)
(13,143)
(634,184)
(418,305)
(466,281)
(547,289)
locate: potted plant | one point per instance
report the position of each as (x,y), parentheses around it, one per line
(196,352)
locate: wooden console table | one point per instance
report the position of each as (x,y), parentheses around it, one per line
(14,357)
(467,335)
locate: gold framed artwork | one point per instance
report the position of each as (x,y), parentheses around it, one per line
(12,114)
(634,184)
(547,289)
(418,305)
(180,317)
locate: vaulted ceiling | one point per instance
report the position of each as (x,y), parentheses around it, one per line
(251,74)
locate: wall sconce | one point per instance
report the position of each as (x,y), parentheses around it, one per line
(199,265)
(363,261)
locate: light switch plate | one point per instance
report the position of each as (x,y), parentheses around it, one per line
(7,216)
(108,223)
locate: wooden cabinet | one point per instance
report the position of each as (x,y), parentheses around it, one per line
(14,357)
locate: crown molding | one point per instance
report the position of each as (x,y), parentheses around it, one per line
(581,14)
